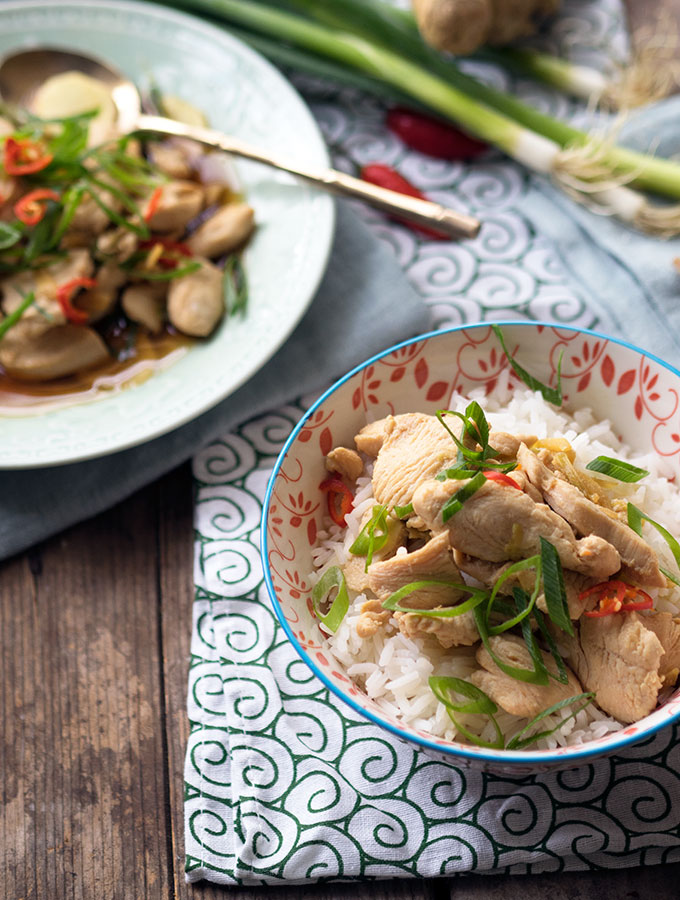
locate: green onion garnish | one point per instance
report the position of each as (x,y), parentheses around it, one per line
(16,314)
(372,537)
(562,674)
(519,743)
(235,285)
(537,675)
(635,517)
(455,503)
(165,274)
(533,562)
(9,235)
(443,686)
(617,468)
(332,578)
(553,588)
(448,612)
(552,395)
(403,512)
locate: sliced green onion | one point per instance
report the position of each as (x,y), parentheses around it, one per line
(532,562)
(332,578)
(480,703)
(235,285)
(617,468)
(459,473)
(403,512)
(373,536)
(562,674)
(9,235)
(519,743)
(141,230)
(455,503)
(16,314)
(537,675)
(553,588)
(552,395)
(521,599)
(70,202)
(635,517)
(166,274)
(476,597)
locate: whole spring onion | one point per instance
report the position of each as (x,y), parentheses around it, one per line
(368,38)
(332,579)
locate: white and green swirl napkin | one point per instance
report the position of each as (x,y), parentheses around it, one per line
(285,783)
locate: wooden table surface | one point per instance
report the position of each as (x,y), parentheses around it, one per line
(94,635)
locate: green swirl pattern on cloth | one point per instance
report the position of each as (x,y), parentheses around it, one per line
(283,782)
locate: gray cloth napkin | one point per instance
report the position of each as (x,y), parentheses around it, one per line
(364,305)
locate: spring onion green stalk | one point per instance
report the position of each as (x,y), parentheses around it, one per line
(553,587)
(537,675)
(635,519)
(562,674)
(373,536)
(445,686)
(523,565)
(455,503)
(235,284)
(579,81)
(332,579)
(617,468)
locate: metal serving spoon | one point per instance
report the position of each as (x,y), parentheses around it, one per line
(22,73)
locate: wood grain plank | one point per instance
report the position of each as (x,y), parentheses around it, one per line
(84,792)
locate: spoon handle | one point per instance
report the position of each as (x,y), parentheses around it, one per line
(422,212)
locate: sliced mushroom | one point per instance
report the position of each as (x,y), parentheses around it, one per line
(196,301)
(62,350)
(179,202)
(146,304)
(230,227)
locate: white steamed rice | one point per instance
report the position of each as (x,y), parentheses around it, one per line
(394,670)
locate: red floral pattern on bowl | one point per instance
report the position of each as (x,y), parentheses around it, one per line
(637,392)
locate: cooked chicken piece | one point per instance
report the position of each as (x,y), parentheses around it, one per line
(228,229)
(520,698)
(458,631)
(370,438)
(523,483)
(89,217)
(119,243)
(45,311)
(373,617)
(170,159)
(146,304)
(618,657)
(216,193)
(354,569)
(498,523)
(60,351)
(100,300)
(431,562)
(196,300)
(507,445)
(667,629)
(179,202)
(589,518)
(415,449)
(345,462)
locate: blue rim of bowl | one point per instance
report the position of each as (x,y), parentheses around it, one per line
(509,757)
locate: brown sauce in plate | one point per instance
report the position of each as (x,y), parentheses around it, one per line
(136,356)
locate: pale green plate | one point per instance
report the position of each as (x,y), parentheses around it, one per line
(243,95)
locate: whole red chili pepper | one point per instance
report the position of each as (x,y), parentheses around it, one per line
(339,499)
(65,292)
(501,478)
(387,177)
(24,157)
(30,208)
(432,136)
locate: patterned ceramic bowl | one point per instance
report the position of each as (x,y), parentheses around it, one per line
(639,393)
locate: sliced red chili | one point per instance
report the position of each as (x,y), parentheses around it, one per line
(616,596)
(30,208)
(154,203)
(500,478)
(65,293)
(429,135)
(387,177)
(339,499)
(172,250)
(24,157)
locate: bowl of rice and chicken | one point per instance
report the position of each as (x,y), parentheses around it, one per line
(472,539)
